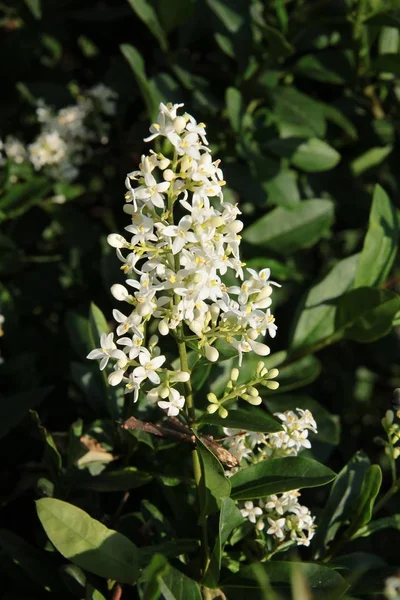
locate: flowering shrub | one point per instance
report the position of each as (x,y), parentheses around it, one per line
(209,413)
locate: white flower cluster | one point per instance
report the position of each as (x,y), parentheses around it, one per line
(63,143)
(252,447)
(182,239)
(285,518)
(392,588)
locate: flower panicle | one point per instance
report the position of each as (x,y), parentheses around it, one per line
(182,239)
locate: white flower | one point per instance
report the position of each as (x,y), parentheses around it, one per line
(277,527)
(15,150)
(250,511)
(174,404)
(149,366)
(392,588)
(107,350)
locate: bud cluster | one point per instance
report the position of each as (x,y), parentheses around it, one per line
(183,237)
(246,391)
(391,425)
(63,143)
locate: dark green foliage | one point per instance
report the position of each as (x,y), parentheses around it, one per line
(301,101)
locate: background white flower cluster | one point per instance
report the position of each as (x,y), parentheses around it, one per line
(66,136)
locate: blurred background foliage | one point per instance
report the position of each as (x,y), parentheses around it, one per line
(301,101)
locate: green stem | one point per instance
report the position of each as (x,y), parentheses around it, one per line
(189,401)
(394,488)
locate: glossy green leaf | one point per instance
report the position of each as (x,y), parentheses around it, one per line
(52,458)
(97,325)
(147,14)
(214,485)
(286,231)
(114,481)
(300,112)
(234,107)
(227,14)
(369,159)
(312,155)
(230,517)
(137,65)
(370,488)
(14,408)
(381,242)
(316,320)
(366,314)
(250,418)
(297,374)
(387,63)
(163,581)
(321,579)
(87,542)
(35,6)
(35,563)
(392,522)
(278,475)
(342,502)
(22,196)
(283,190)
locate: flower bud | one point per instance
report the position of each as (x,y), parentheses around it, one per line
(212,354)
(163,164)
(273,373)
(163,327)
(180,376)
(117,241)
(211,397)
(212,408)
(252,391)
(260,367)
(164,391)
(235,374)
(169,175)
(255,401)
(272,385)
(222,412)
(179,124)
(120,292)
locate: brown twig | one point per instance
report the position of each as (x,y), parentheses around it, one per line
(116,592)
(173,429)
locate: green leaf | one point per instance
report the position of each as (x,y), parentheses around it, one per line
(342,502)
(52,458)
(366,314)
(303,115)
(316,320)
(328,424)
(78,333)
(97,325)
(35,563)
(14,408)
(137,65)
(369,159)
(214,485)
(282,189)
(278,475)
(369,490)
(249,418)
(234,106)
(35,8)
(297,374)
(170,548)
(286,231)
(22,196)
(312,155)
(147,14)
(230,517)
(313,67)
(322,580)
(381,242)
(162,580)
(114,481)
(339,119)
(387,63)
(392,522)
(226,13)
(87,542)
